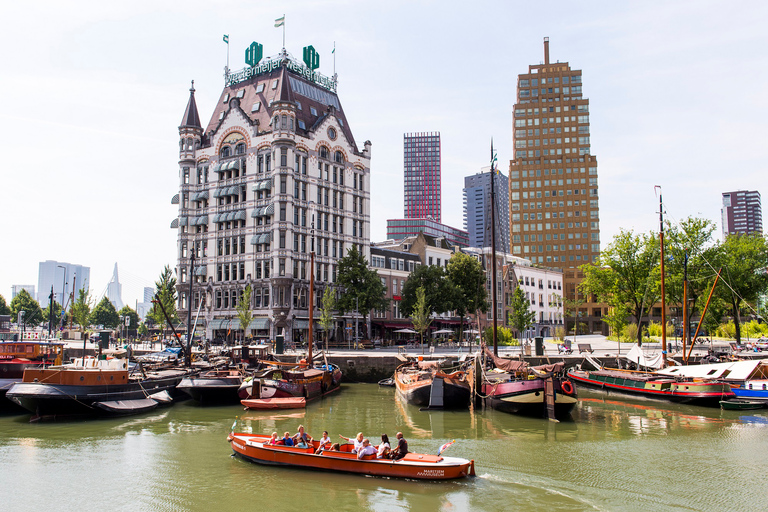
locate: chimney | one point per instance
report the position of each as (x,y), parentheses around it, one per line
(546,50)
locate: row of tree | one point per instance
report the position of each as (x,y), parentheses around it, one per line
(627,276)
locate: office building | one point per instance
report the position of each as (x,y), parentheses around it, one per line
(16,288)
(477,209)
(275,175)
(397,229)
(65,278)
(553,183)
(742,213)
(421,165)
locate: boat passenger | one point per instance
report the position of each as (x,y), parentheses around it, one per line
(401,449)
(366,449)
(384,447)
(323,442)
(335,447)
(302,436)
(357,440)
(274,439)
(287,439)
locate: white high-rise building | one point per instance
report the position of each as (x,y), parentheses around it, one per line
(64,278)
(115,291)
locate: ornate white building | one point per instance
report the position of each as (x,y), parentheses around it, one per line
(276,160)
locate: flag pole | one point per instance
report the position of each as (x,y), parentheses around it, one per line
(334,58)
(283,30)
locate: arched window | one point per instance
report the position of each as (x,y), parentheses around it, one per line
(324,152)
(338,157)
(240,149)
(226,151)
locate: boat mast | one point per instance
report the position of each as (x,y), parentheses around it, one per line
(663,303)
(188,350)
(311,292)
(493,248)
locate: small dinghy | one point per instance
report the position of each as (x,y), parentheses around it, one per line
(741,405)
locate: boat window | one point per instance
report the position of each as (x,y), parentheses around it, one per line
(763,387)
(710,372)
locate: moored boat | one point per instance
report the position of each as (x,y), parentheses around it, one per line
(214,386)
(255,448)
(17,356)
(707,393)
(741,405)
(77,389)
(281,380)
(423,383)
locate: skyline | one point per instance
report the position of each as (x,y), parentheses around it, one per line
(93,95)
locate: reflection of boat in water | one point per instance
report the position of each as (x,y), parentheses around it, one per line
(289,381)
(254,447)
(95,387)
(423,383)
(514,387)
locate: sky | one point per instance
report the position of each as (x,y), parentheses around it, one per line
(92,94)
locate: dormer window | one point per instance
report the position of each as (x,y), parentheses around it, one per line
(256,106)
(274,84)
(313,111)
(240,93)
(226,98)
(259,88)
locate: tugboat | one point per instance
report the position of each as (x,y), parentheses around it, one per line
(17,356)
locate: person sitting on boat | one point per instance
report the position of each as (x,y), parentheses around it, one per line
(384,447)
(366,449)
(401,449)
(287,440)
(357,440)
(323,442)
(302,436)
(274,439)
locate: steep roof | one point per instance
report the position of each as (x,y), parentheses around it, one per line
(257,94)
(191,117)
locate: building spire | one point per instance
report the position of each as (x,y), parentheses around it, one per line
(191,117)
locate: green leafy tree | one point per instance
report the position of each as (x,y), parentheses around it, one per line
(243,310)
(467,277)
(616,317)
(744,259)
(521,317)
(165,291)
(326,312)
(438,290)
(104,314)
(4,309)
(128,311)
(81,309)
(420,315)
(143,329)
(627,272)
(504,336)
(23,301)
(361,283)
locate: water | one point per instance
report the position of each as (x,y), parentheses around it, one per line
(615,455)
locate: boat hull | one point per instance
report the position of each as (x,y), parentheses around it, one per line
(456,392)
(251,447)
(707,394)
(212,389)
(528,397)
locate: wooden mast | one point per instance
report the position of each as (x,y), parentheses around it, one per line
(663,302)
(493,249)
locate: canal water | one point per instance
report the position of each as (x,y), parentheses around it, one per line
(615,454)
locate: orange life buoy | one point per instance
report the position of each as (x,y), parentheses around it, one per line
(567,387)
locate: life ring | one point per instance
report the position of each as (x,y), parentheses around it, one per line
(567,387)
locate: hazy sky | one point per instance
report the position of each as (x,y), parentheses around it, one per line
(92,93)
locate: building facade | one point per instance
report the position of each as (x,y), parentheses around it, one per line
(275,176)
(553,186)
(397,229)
(477,209)
(64,278)
(421,164)
(29,288)
(394,267)
(742,213)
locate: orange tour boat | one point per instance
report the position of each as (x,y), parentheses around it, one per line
(418,466)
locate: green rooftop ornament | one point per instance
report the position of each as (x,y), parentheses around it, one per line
(311,57)
(253,54)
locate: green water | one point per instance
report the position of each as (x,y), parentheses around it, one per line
(614,455)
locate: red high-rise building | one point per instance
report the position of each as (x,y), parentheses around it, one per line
(421,163)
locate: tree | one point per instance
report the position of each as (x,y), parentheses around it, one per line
(616,317)
(362,288)
(326,312)
(143,329)
(130,313)
(81,309)
(693,236)
(243,309)
(4,309)
(521,317)
(23,301)
(744,259)
(467,277)
(420,316)
(438,290)
(104,314)
(165,291)
(627,273)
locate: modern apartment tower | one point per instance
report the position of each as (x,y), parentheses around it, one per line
(742,213)
(553,177)
(274,176)
(64,278)
(421,163)
(477,209)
